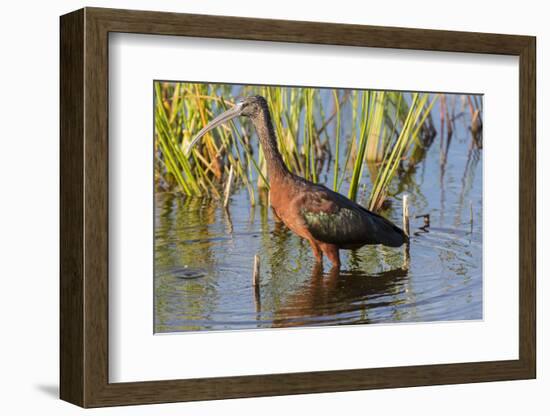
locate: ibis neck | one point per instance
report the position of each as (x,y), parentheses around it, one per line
(276,168)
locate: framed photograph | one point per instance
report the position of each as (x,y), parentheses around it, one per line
(260,207)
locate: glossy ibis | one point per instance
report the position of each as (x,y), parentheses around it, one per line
(328,220)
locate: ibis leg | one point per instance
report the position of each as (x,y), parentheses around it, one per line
(333,254)
(316,251)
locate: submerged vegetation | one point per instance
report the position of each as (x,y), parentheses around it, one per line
(325,135)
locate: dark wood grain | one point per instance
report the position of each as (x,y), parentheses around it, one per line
(225,27)
(96,207)
(527,208)
(84,207)
(71,251)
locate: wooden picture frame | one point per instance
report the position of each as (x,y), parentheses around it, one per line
(84,207)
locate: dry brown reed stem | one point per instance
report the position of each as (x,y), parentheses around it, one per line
(228,187)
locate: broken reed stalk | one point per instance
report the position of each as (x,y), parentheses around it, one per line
(471,216)
(406,229)
(256,283)
(256,273)
(228,187)
(426,218)
(406,226)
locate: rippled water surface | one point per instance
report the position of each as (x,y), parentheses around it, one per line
(204,259)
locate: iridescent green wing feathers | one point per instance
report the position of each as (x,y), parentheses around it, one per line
(333,218)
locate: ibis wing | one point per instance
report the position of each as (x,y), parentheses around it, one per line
(333,218)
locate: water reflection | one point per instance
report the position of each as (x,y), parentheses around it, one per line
(204,254)
(339,297)
(203,274)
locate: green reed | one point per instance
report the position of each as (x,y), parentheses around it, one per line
(395,150)
(384,129)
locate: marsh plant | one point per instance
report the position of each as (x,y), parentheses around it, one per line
(332,136)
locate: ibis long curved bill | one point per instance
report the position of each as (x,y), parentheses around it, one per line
(221,119)
(328,220)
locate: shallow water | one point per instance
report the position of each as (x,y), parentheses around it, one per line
(204,259)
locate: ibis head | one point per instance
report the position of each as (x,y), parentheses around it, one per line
(248,107)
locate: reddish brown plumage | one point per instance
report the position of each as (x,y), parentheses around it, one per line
(327,220)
